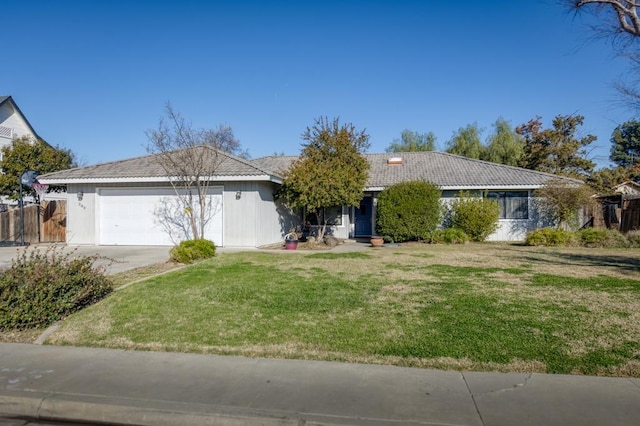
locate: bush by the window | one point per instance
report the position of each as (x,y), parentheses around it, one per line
(476,216)
(43,286)
(190,251)
(408,211)
(549,237)
(449,236)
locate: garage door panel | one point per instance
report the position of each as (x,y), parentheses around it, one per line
(128,216)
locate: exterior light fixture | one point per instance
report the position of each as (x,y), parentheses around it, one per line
(238,195)
(80,195)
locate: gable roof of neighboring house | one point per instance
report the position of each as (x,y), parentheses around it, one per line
(9,100)
(448,171)
(627,187)
(149,169)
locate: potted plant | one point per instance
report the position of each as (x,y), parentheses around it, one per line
(291,241)
(376,241)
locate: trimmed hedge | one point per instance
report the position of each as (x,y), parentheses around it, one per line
(408,211)
(190,251)
(42,287)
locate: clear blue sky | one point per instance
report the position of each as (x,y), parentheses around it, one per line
(93,76)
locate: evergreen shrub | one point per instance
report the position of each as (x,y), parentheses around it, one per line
(190,251)
(475,216)
(44,286)
(409,211)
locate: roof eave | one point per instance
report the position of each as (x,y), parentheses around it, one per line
(148,179)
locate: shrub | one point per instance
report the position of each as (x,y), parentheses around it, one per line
(42,287)
(560,201)
(549,237)
(449,236)
(409,211)
(191,250)
(599,237)
(634,238)
(475,216)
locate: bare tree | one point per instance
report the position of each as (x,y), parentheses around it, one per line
(190,158)
(618,20)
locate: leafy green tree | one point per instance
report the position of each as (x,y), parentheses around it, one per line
(557,150)
(331,170)
(409,211)
(26,153)
(466,142)
(411,141)
(504,145)
(625,144)
(561,202)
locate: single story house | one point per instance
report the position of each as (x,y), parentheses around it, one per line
(117,203)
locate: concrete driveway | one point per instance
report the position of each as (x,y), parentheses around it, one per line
(114,258)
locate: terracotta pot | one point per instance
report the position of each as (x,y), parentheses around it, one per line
(377,241)
(291,244)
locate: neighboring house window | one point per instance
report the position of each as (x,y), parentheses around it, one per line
(513,204)
(332,214)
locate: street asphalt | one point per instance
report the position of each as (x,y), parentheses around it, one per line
(93,385)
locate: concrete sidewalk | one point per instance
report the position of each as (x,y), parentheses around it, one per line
(147,388)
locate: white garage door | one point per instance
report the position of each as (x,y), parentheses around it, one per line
(131,216)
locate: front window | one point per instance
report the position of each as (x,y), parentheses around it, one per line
(513,204)
(333,216)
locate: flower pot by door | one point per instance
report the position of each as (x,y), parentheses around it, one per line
(377,241)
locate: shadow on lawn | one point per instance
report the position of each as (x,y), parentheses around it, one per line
(624,263)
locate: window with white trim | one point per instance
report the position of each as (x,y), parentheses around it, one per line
(513,204)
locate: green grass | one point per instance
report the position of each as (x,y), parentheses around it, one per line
(415,306)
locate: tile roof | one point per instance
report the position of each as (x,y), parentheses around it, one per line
(147,167)
(443,169)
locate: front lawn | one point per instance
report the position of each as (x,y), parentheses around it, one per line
(479,306)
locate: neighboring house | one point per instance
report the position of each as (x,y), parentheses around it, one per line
(627,188)
(13,123)
(117,202)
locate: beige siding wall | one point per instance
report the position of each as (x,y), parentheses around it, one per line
(251,217)
(239,219)
(81,215)
(275,219)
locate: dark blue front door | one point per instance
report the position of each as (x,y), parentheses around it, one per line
(363,217)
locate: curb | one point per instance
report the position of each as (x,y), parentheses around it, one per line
(140,412)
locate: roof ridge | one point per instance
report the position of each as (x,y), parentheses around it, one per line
(246,162)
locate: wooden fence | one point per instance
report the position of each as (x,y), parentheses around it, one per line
(42,224)
(621,212)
